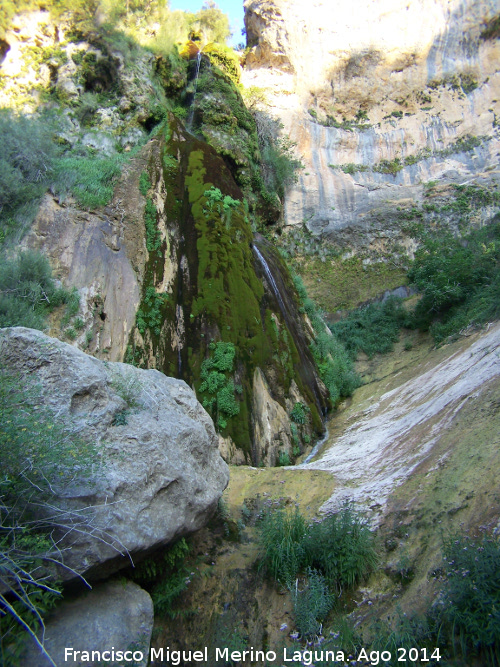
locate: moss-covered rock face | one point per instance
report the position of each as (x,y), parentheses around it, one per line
(201,290)
(222,119)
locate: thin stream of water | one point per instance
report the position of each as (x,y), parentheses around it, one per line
(191,113)
(269,277)
(315,449)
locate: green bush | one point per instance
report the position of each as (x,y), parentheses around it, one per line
(279,165)
(342,547)
(153,234)
(299,413)
(312,604)
(149,315)
(407,632)
(38,453)
(89,179)
(216,383)
(26,166)
(335,365)
(166,577)
(459,280)
(27,291)
(372,329)
(471,595)
(284,459)
(283,549)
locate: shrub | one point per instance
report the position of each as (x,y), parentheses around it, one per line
(89,179)
(342,547)
(311,604)
(279,165)
(38,456)
(299,413)
(334,364)
(26,164)
(165,576)
(406,632)
(459,280)
(215,382)
(472,595)
(149,315)
(282,538)
(492,30)
(372,329)
(284,459)
(153,234)
(27,291)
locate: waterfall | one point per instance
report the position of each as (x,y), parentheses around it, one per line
(315,449)
(270,278)
(191,113)
(275,275)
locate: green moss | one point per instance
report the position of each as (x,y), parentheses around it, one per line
(144,183)
(153,235)
(345,283)
(492,30)
(225,59)
(223,301)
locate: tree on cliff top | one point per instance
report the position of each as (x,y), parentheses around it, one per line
(211,24)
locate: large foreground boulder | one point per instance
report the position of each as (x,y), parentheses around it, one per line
(114,618)
(159,474)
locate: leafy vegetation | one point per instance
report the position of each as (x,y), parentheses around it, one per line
(166,577)
(373,329)
(280,165)
(342,547)
(299,413)
(459,280)
(38,456)
(89,179)
(311,604)
(492,30)
(461,145)
(471,595)
(28,292)
(149,314)
(334,364)
(283,537)
(26,165)
(333,554)
(221,401)
(32,162)
(225,59)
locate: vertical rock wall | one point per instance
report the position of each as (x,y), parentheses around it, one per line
(386,81)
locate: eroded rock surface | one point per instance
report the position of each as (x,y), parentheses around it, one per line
(161,473)
(389,82)
(407,419)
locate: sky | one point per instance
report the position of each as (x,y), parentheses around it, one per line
(233,8)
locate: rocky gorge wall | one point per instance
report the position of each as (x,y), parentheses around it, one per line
(166,275)
(380,99)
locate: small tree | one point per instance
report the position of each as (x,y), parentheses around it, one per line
(212,23)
